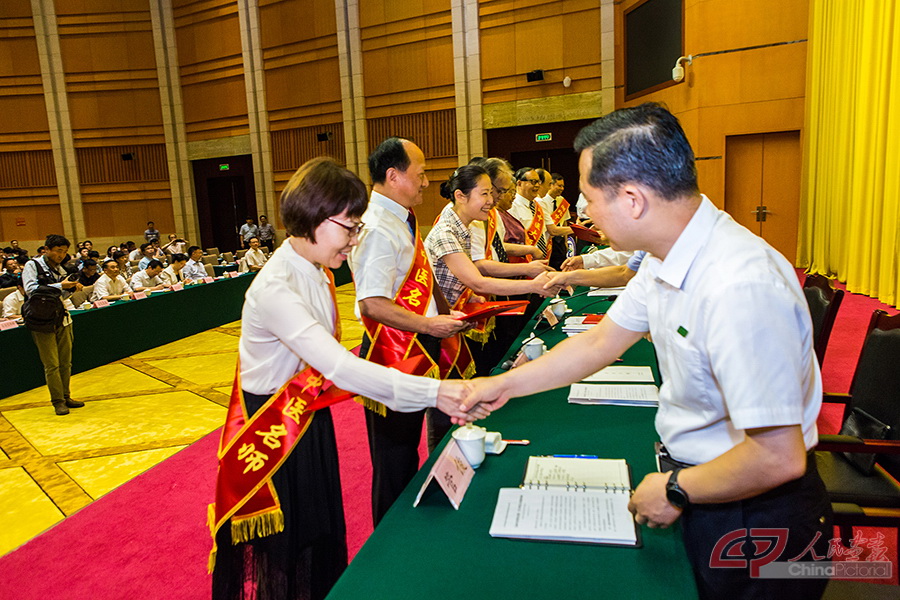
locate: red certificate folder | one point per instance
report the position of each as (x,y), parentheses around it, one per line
(585,234)
(475,311)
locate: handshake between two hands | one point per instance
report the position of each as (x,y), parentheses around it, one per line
(465,401)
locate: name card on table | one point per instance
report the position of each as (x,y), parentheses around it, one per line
(547,313)
(177,287)
(232,274)
(101,303)
(8,324)
(452,472)
(208,280)
(140,295)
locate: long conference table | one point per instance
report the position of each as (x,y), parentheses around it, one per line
(434,551)
(104,335)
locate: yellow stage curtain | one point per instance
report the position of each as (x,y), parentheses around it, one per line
(851,170)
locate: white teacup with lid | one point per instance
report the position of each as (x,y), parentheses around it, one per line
(470,439)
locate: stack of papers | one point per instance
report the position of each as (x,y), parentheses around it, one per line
(619,395)
(580,324)
(610,291)
(621,374)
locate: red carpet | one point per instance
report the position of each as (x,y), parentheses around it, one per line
(148,539)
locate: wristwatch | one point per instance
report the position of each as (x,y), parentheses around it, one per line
(674,493)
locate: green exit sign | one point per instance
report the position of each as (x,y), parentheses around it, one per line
(224,167)
(543,137)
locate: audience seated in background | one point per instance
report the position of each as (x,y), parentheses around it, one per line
(175,245)
(88,274)
(194,269)
(121,259)
(147,254)
(134,253)
(12,304)
(254,259)
(10,272)
(40,251)
(172,274)
(111,285)
(80,257)
(149,278)
(111,250)
(157,251)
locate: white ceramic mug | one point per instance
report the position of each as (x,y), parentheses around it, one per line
(534,348)
(470,440)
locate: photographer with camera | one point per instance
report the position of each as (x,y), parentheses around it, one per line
(46,285)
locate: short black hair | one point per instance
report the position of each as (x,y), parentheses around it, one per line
(22,259)
(150,223)
(117,255)
(93,254)
(144,246)
(9,258)
(556,176)
(252,237)
(642,144)
(521,173)
(55,241)
(390,154)
(88,262)
(178,257)
(320,189)
(192,249)
(154,263)
(107,261)
(8,250)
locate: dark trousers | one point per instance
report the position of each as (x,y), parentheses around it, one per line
(557,252)
(394,442)
(800,506)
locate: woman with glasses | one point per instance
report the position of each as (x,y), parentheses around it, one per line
(278,521)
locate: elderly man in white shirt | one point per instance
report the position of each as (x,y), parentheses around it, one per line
(148,279)
(741,384)
(111,285)
(254,259)
(194,269)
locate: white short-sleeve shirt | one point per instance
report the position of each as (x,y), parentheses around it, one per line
(733,336)
(521,210)
(384,255)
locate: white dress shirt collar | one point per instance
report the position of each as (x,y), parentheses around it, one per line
(681,256)
(401,212)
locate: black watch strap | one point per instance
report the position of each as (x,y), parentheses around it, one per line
(674,492)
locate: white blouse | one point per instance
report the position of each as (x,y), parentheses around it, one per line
(287,324)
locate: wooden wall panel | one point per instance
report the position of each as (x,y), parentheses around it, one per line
(293,147)
(25,169)
(32,222)
(208,36)
(106,165)
(407,50)
(755,83)
(118,219)
(562,37)
(23,115)
(110,71)
(302,73)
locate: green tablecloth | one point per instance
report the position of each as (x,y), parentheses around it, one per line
(103,335)
(434,551)
(220,270)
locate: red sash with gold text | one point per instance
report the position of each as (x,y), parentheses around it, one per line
(561,209)
(252,449)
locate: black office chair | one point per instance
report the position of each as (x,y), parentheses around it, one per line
(824,301)
(860,466)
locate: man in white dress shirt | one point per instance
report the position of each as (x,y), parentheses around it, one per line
(12,304)
(148,280)
(111,285)
(194,269)
(254,259)
(380,265)
(741,385)
(247,231)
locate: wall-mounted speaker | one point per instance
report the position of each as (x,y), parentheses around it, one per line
(325,137)
(128,156)
(536,75)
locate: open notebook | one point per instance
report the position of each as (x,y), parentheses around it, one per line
(569,500)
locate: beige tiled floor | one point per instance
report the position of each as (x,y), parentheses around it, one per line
(139,411)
